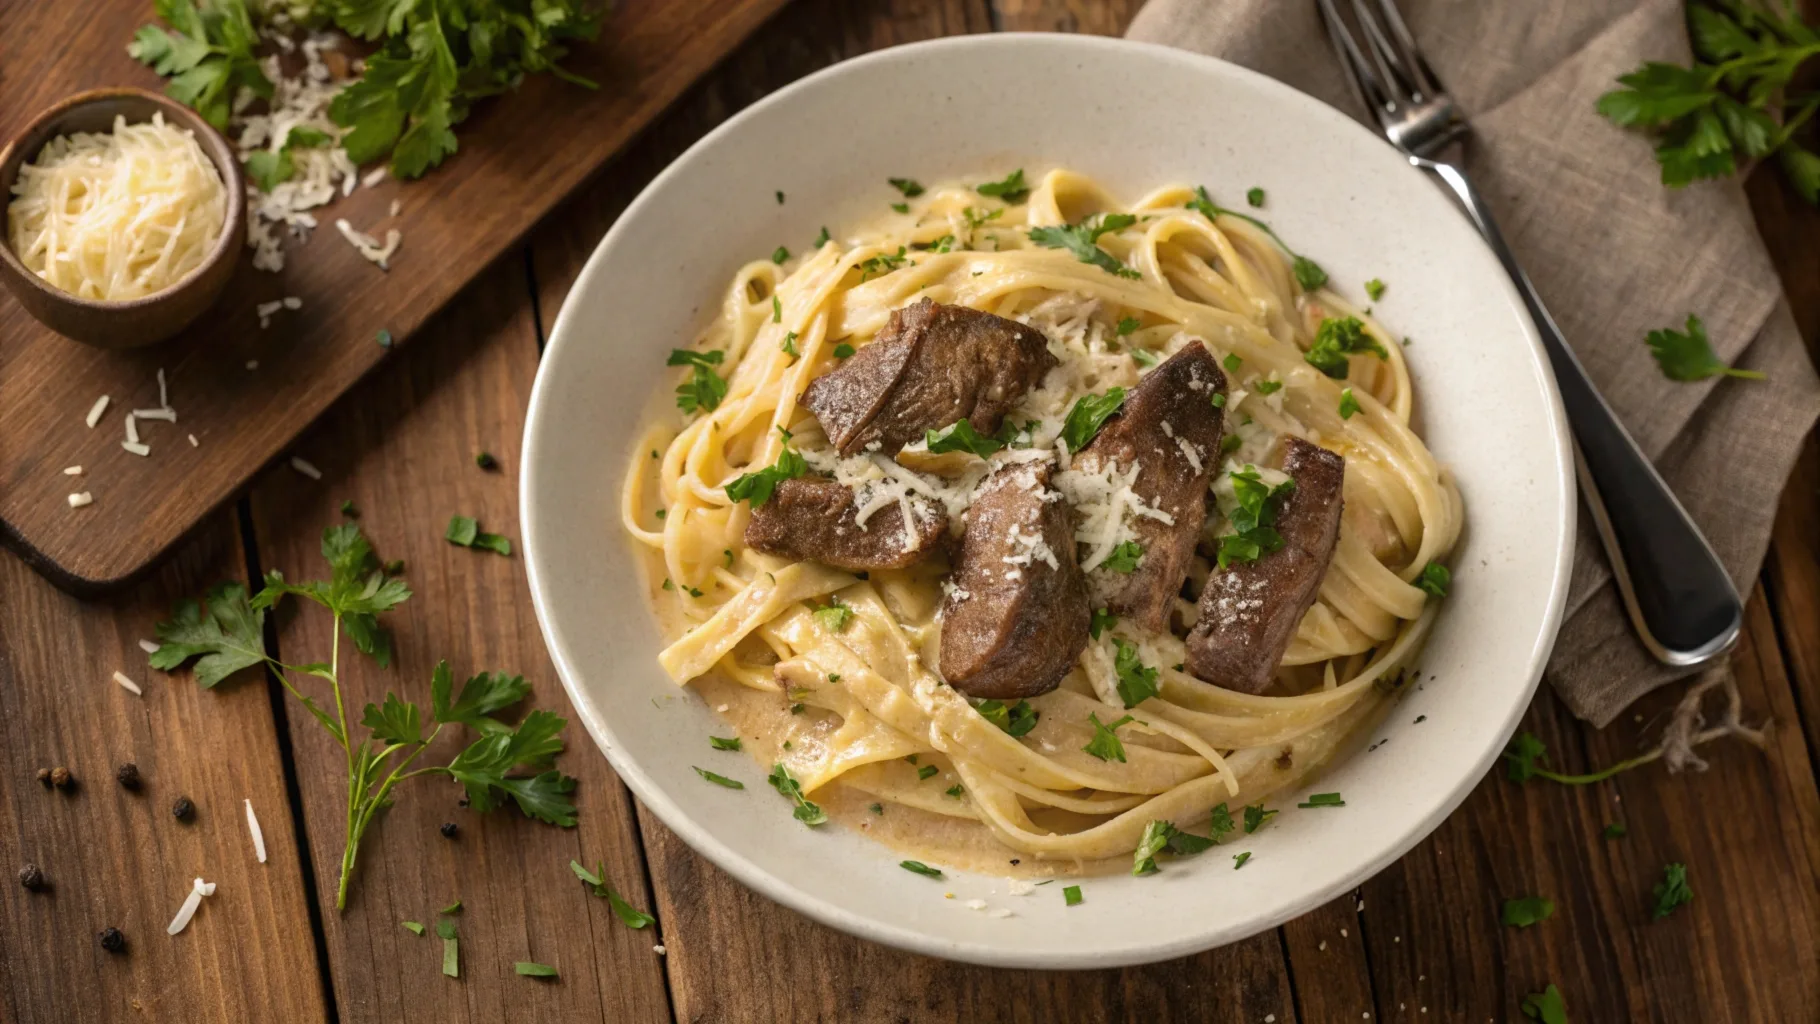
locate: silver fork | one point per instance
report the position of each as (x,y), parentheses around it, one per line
(1676,592)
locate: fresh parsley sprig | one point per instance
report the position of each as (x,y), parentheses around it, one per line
(1690,356)
(225,633)
(1336,340)
(1163,835)
(704,388)
(1253,517)
(208,54)
(1734,103)
(1088,414)
(1016,719)
(1137,681)
(1083,241)
(1308,273)
(1011,190)
(1524,756)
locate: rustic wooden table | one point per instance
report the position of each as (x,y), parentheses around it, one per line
(1421,941)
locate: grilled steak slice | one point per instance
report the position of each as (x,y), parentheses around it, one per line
(815,519)
(1170,429)
(931,366)
(1015,618)
(1250,610)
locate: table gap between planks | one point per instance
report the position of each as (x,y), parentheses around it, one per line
(1421,941)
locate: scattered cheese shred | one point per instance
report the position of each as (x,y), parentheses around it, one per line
(367,245)
(81,498)
(305,468)
(117,215)
(198,889)
(95,411)
(132,429)
(72,471)
(167,414)
(252,825)
(136,448)
(148,647)
(121,678)
(193,442)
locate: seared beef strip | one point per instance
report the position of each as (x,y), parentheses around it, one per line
(1013,623)
(1170,428)
(931,366)
(1250,610)
(815,519)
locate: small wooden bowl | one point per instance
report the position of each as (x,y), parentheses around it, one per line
(129,323)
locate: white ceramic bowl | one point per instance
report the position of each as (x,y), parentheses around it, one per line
(1133,116)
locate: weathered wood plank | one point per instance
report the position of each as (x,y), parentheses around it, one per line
(402,447)
(1094,17)
(115,858)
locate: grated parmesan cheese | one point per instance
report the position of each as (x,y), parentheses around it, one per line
(252,826)
(148,647)
(305,468)
(320,174)
(198,889)
(72,471)
(95,411)
(131,687)
(81,498)
(193,443)
(1106,506)
(132,428)
(117,215)
(136,448)
(367,245)
(166,414)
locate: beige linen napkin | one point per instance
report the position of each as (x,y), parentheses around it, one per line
(1613,253)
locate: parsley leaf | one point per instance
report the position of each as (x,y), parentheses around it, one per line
(1267,386)
(1671,892)
(1071,895)
(1335,340)
(1219,823)
(1254,197)
(1081,240)
(1105,744)
(1011,190)
(1308,273)
(835,616)
(1163,835)
(1137,681)
(1102,621)
(268,168)
(843,350)
(954,791)
(822,238)
(1545,1006)
(1088,414)
(1434,580)
(920,868)
(531,969)
(960,436)
(757,486)
(779,255)
(1256,816)
(882,264)
(926,772)
(719,780)
(1125,557)
(451,948)
(1374,289)
(909,188)
(1690,357)
(1349,405)
(1017,719)
(1521,913)
(1126,325)
(224,629)
(704,388)
(1239,859)
(724,743)
(1525,753)
(628,915)
(1323,800)
(1252,517)
(806,812)
(209,57)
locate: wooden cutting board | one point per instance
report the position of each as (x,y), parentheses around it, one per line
(519,155)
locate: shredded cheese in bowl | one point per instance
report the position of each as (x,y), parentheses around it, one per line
(117,215)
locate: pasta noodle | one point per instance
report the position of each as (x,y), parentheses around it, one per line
(834,676)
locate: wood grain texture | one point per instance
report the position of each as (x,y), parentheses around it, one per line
(402,448)
(520,154)
(116,858)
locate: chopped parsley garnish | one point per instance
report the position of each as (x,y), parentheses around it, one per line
(1256,816)
(1374,288)
(1137,681)
(704,388)
(926,772)
(757,487)
(412,926)
(777,310)
(843,350)
(1690,356)
(1524,756)
(1127,324)
(1521,913)
(1232,361)
(806,812)
(348,509)
(1308,273)
(1144,357)
(1218,400)
(451,949)
(835,616)
(901,207)
(1102,621)
(1088,415)
(789,346)
(531,969)
(909,188)
(719,780)
(1239,859)
(940,245)
(724,742)
(1267,387)
(1017,720)
(1323,800)
(1253,516)
(1219,823)
(779,255)
(1335,340)
(780,197)
(1254,197)
(876,808)
(1125,557)
(954,791)
(1081,240)
(453,908)
(1105,744)
(727,553)
(1071,895)
(1614,830)
(1349,405)
(1011,190)
(882,264)
(1546,1006)
(976,218)
(1434,580)
(822,238)
(1230,442)
(960,436)
(920,868)
(1671,892)
(595,880)
(1163,835)
(465,532)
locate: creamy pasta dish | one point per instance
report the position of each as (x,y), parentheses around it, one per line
(1036,532)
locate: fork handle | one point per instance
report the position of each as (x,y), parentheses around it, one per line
(1678,595)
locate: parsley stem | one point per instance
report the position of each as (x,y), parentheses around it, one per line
(1599,776)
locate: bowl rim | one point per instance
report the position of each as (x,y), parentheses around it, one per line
(39,130)
(896,935)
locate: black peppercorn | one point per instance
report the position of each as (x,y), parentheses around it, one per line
(61,777)
(127,775)
(183,809)
(449,829)
(463,802)
(44,777)
(485,460)
(112,940)
(31,877)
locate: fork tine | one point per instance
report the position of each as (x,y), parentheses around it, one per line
(1390,36)
(1383,57)
(1365,81)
